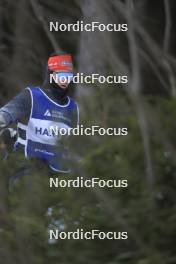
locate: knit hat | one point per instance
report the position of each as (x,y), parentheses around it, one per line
(62,63)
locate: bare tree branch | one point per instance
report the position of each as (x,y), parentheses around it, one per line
(134,93)
(166,44)
(38,13)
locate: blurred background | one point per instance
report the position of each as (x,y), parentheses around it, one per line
(146,157)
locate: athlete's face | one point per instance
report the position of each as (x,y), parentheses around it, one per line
(63,79)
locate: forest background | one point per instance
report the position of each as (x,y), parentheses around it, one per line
(146,157)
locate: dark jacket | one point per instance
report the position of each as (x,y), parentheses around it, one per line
(19,107)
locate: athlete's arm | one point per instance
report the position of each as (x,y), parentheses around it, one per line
(3,121)
(18,108)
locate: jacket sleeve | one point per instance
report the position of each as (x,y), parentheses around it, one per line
(19,107)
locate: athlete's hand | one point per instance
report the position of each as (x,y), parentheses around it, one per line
(2,124)
(3,145)
(7,140)
(4,133)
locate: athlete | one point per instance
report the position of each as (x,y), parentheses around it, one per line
(37,109)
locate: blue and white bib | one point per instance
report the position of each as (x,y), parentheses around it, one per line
(40,142)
